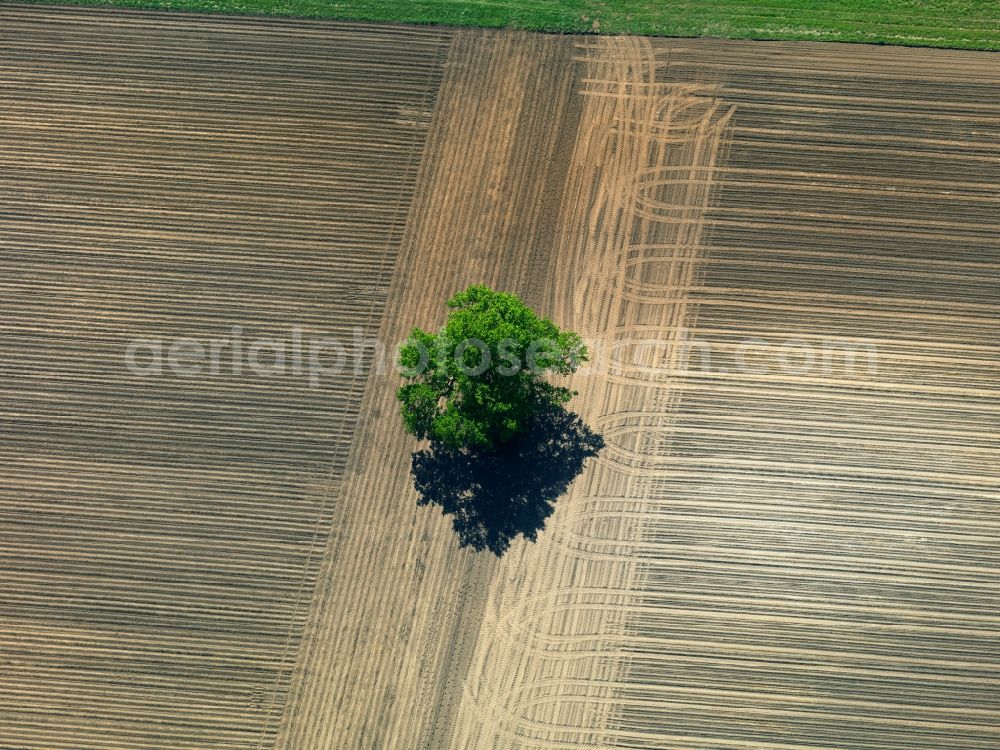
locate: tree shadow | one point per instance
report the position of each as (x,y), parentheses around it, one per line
(495,495)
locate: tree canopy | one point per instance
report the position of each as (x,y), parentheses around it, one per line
(479,381)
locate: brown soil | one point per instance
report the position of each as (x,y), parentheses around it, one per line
(164,177)
(761,558)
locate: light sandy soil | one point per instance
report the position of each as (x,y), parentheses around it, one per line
(763,557)
(398,604)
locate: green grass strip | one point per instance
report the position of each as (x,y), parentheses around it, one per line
(964,24)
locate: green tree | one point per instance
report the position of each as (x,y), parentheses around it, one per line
(479,380)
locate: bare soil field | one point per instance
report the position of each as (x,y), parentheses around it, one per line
(772,552)
(779,548)
(172,177)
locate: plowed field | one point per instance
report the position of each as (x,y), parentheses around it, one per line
(785,258)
